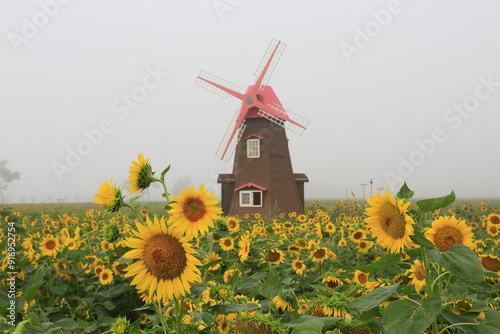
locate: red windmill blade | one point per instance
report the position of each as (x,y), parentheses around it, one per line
(259,100)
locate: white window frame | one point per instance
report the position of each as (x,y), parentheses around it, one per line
(257,141)
(251,193)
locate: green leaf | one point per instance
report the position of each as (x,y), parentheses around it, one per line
(456,292)
(454,318)
(132,200)
(405,192)
(385,262)
(272,285)
(164,172)
(109,305)
(404,316)
(248,284)
(461,261)
(374,298)
(419,238)
(428,205)
(492,323)
(59,289)
(313,327)
(68,324)
(235,307)
(32,291)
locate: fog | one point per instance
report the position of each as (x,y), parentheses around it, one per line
(394,91)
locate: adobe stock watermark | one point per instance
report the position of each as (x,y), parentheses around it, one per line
(122,107)
(223,6)
(31,26)
(454,117)
(363,36)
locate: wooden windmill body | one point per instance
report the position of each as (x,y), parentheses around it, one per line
(263,180)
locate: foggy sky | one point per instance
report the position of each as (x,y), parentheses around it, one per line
(394,90)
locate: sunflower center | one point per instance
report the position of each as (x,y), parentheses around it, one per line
(490,263)
(274,256)
(228,242)
(418,274)
(105,276)
(362,278)
(50,245)
(298,265)
(362,244)
(392,221)
(446,237)
(357,235)
(165,256)
(193,209)
(232,224)
(319,253)
(495,220)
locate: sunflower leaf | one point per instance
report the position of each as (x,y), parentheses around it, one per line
(404,316)
(385,262)
(454,318)
(374,298)
(420,239)
(461,261)
(405,192)
(431,204)
(164,172)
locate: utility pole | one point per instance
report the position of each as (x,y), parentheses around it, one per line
(363,185)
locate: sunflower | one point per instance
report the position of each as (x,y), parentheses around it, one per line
(302,218)
(226,244)
(493,219)
(282,304)
(364,246)
(50,246)
(194,211)
(319,254)
(447,231)
(276,256)
(233,223)
(229,273)
(141,175)
(389,222)
(360,277)
(492,230)
(331,281)
(298,266)
(166,265)
(210,258)
(109,196)
(106,276)
(490,262)
(244,245)
(357,236)
(417,275)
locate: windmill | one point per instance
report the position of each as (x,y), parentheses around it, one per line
(262,178)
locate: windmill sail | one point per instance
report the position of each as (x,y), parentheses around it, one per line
(211,88)
(281,114)
(274,62)
(226,148)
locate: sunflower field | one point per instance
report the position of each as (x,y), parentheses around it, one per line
(390,265)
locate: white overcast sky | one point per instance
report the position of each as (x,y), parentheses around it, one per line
(394,90)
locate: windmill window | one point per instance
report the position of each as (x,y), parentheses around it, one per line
(251,198)
(253,148)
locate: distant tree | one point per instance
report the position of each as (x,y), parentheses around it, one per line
(6,176)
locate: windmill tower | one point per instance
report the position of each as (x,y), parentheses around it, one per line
(262,175)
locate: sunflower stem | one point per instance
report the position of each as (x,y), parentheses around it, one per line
(134,210)
(157,307)
(205,274)
(167,196)
(428,284)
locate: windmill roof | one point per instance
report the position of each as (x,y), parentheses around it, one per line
(253,135)
(223,178)
(250,185)
(300,177)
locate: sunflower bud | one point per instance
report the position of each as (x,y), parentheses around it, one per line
(110,232)
(121,326)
